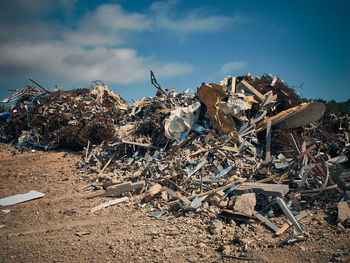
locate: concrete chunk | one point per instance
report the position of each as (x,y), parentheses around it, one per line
(245,204)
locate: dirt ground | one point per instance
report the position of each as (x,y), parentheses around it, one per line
(60,227)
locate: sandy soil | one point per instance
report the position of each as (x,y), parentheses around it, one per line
(60,227)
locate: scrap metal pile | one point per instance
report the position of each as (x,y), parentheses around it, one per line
(247,145)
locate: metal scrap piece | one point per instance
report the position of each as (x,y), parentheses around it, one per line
(289,214)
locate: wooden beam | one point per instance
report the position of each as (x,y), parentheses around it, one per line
(147,145)
(266,221)
(288,224)
(267,189)
(252,90)
(268,141)
(120,189)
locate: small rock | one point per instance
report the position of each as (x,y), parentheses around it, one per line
(245,203)
(231,230)
(202,245)
(155,189)
(69,212)
(164,196)
(82,233)
(226,250)
(205,205)
(232,223)
(343,211)
(216,227)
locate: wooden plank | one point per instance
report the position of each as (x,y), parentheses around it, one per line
(233,85)
(267,189)
(268,141)
(288,224)
(147,145)
(120,189)
(269,97)
(230,149)
(209,192)
(109,203)
(180,197)
(294,144)
(297,116)
(252,90)
(266,221)
(106,165)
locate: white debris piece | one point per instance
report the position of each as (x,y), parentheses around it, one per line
(234,106)
(15,199)
(181,121)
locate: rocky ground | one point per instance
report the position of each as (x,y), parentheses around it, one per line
(60,227)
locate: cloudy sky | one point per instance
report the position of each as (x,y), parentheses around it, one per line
(71,43)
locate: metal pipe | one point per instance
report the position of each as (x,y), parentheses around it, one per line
(289,214)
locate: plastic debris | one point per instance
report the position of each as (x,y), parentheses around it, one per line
(20,198)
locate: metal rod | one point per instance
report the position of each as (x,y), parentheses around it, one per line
(289,214)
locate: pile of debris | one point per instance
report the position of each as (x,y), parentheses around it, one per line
(248,145)
(45,119)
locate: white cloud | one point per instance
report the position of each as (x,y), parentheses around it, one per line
(195,20)
(105,26)
(87,50)
(54,60)
(231,67)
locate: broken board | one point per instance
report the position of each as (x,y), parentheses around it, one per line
(20,198)
(298,116)
(267,189)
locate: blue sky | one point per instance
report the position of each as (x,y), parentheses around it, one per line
(71,43)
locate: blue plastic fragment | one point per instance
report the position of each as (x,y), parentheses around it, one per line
(45,147)
(199,166)
(157,214)
(223,172)
(197,202)
(198,128)
(5,115)
(231,189)
(183,136)
(31,104)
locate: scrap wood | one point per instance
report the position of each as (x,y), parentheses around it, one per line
(294,144)
(237,216)
(286,225)
(252,90)
(39,85)
(82,233)
(155,189)
(267,189)
(230,149)
(321,189)
(343,211)
(120,189)
(178,196)
(266,221)
(109,203)
(147,145)
(199,151)
(87,151)
(209,192)
(106,165)
(308,153)
(297,116)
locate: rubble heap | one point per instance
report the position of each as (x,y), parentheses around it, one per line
(248,145)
